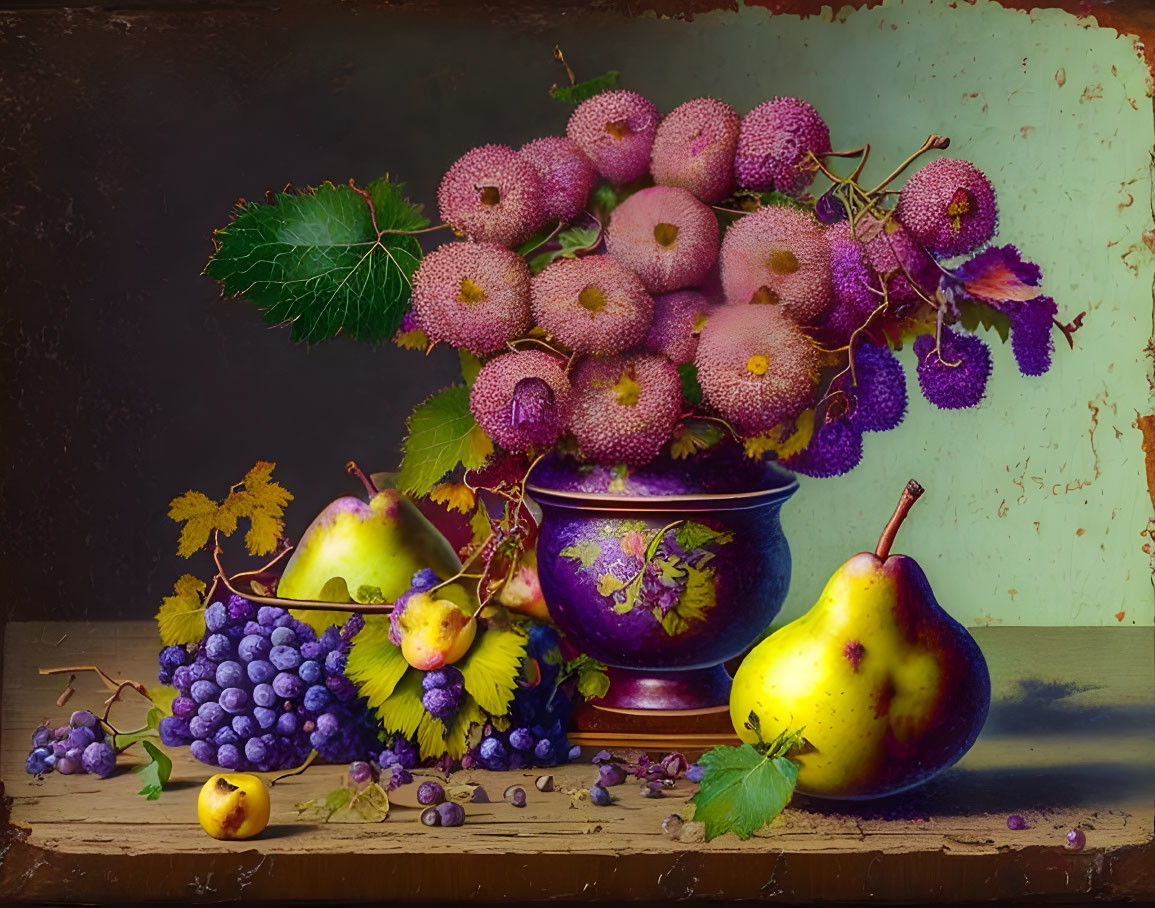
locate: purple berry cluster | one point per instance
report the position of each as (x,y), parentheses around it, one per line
(538,717)
(261,690)
(703,270)
(81,746)
(655,776)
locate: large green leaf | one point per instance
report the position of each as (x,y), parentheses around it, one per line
(334,258)
(375,665)
(442,434)
(491,668)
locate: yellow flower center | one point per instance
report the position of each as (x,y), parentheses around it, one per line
(470,292)
(757,364)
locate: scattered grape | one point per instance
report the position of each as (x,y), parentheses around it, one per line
(1014,821)
(430,793)
(600,795)
(360,772)
(1076,839)
(451,813)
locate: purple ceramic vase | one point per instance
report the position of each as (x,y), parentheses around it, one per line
(665,572)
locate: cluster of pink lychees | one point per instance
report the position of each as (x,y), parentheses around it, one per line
(783,312)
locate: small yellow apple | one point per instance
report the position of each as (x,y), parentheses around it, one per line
(435,632)
(233,806)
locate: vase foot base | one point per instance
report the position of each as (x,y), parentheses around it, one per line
(683,689)
(660,731)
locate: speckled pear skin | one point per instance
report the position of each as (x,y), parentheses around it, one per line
(889,689)
(380,543)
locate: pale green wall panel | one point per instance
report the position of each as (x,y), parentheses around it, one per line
(1011,484)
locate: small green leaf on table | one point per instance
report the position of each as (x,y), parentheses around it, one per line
(744,788)
(155,773)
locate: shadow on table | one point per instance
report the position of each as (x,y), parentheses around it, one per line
(284,830)
(1042,707)
(998,790)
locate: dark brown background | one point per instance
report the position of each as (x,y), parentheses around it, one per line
(126,132)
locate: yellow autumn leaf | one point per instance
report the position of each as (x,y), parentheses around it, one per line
(608,584)
(456,496)
(181,618)
(198,514)
(772,441)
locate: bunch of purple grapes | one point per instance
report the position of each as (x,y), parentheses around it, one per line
(81,746)
(261,690)
(538,716)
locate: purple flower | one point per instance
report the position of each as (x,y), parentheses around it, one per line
(1031,339)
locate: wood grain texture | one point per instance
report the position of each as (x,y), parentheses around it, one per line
(1068,743)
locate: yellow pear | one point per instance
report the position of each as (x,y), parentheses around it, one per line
(886,687)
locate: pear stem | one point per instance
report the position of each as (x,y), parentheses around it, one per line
(353,470)
(910,495)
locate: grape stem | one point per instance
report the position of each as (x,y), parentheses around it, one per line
(910,495)
(932,141)
(295,772)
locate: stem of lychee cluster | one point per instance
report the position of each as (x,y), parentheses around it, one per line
(932,141)
(353,470)
(910,495)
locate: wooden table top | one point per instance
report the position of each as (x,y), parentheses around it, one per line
(1070,742)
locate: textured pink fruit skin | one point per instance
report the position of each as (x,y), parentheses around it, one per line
(755,403)
(482,326)
(853,281)
(567,176)
(694,148)
(609,432)
(631,239)
(492,393)
(773,140)
(618,159)
(673,333)
(518,212)
(925,200)
(555,302)
(747,256)
(891,250)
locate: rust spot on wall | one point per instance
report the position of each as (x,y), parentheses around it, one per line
(1146,425)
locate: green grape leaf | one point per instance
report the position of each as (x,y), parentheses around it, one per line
(491,668)
(691,389)
(402,710)
(592,681)
(374,664)
(468,715)
(586,552)
(572,242)
(583,91)
(976,312)
(442,434)
(694,435)
(742,790)
(151,727)
(692,534)
(430,737)
(331,259)
(155,773)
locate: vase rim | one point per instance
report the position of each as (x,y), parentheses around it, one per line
(703,501)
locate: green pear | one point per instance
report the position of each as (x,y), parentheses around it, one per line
(886,687)
(365,551)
